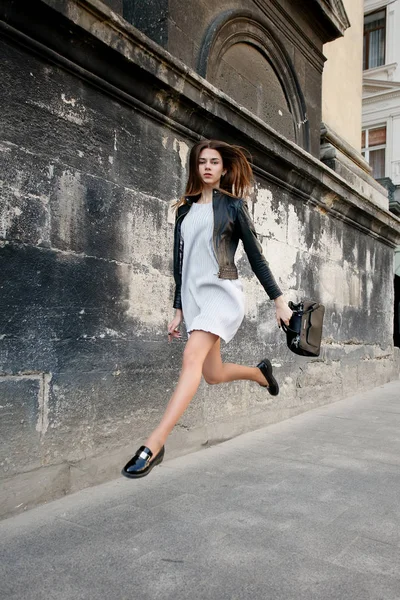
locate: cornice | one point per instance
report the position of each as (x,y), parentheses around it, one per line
(332,17)
(334,139)
(292,31)
(381,96)
(389,68)
(382,84)
(337,12)
(373,6)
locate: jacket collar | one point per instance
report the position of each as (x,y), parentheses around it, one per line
(191,199)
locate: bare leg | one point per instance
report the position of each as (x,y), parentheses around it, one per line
(215,371)
(196,350)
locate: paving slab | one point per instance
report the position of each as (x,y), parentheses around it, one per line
(307,508)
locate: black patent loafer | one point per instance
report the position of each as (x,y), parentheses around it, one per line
(141,464)
(266,369)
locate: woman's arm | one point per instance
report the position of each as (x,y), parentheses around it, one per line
(260,265)
(283,312)
(254,252)
(177,275)
(173,331)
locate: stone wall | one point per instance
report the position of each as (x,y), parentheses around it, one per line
(266,55)
(97,125)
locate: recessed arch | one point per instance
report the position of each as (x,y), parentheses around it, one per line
(233,28)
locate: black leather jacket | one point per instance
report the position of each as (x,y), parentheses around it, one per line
(232,222)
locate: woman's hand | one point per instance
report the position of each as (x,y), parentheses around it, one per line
(173,331)
(283,312)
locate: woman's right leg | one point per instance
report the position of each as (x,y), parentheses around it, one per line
(201,356)
(197,348)
(215,371)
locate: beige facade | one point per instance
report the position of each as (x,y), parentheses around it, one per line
(342,78)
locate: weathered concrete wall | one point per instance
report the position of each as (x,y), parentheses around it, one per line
(241,58)
(95,136)
(266,55)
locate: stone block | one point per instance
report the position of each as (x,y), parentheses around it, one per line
(116,5)
(349,377)
(81,424)
(318,383)
(24,197)
(25,490)
(181,45)
(21,416)
(225,402)
(270,216)
(298,230)
(283,261)
(105,466)
(219,431)
(396,360)
(371,373)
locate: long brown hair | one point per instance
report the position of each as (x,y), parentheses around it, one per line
(239,175)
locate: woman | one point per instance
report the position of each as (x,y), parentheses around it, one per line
(210,220)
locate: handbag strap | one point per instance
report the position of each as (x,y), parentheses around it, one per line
(310,310)
(286,328)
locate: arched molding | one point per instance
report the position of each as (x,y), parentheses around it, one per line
(236,27)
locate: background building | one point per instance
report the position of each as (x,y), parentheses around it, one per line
(381,108)
(100,106)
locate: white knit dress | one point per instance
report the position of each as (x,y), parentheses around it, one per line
(208,302)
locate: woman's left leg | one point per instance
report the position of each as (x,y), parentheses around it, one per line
(215,371)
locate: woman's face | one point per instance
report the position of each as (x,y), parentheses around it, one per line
(210,167)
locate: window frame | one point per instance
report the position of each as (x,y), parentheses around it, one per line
(366,149)
(366,38)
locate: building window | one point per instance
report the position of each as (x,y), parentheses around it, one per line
(373,144)
(374,39)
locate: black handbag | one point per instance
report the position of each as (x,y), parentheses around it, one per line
(304,333)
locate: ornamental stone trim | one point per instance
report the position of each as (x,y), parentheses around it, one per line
(235,27)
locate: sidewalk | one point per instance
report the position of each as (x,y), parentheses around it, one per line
(305,509)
